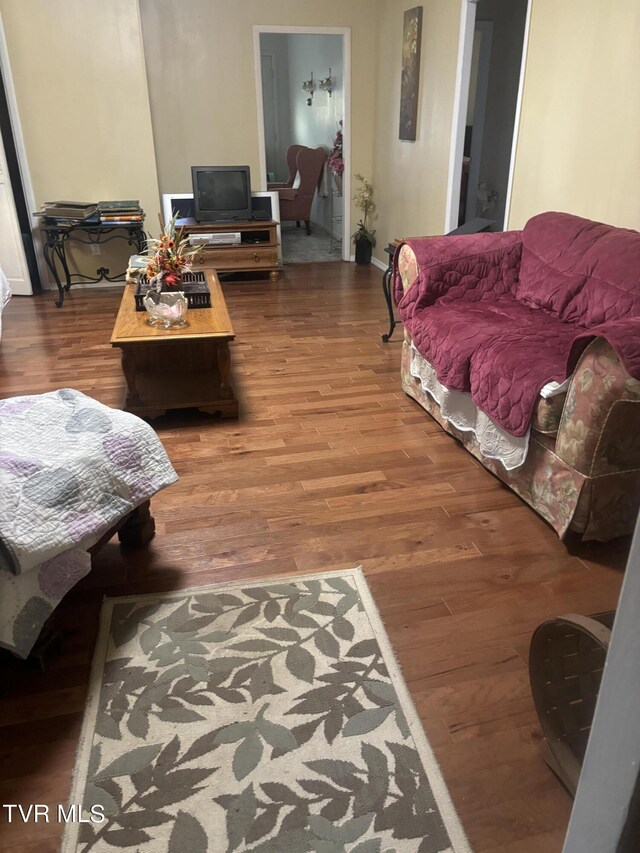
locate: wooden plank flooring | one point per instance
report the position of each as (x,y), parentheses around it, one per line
(328,467)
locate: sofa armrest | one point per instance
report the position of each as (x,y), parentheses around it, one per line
(599,430)
(488,261)
(406,265)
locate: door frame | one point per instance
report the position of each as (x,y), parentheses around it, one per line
(345,32)
(460,103)
(18,138)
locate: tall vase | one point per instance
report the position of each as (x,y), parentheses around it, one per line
(363,251)
(338,182)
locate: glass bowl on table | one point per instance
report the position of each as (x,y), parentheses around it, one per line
(166,308)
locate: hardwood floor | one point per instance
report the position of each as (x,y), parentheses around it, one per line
(329,466)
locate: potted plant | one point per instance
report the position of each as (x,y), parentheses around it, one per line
(364,238)
(335,161)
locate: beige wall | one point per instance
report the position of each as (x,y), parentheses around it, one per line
(96,123)
(201,72)
(81,90)
(579,141)
(580,126)
(410,178)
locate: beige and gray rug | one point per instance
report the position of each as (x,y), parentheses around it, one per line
(263,716)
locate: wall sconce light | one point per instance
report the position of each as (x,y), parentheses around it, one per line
(326,84)
(309,87)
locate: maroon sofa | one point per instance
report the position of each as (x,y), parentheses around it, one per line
(497,316)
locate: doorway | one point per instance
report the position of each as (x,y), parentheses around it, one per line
(488,89)
(18,257)
(303,85)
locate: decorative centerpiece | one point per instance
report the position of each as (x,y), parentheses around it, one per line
(364,238)
(169,258)
(335,161)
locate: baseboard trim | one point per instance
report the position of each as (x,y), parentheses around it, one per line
(374,261)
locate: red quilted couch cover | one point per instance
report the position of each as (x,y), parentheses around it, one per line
(501,314)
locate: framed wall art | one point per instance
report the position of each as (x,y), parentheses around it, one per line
(411,44)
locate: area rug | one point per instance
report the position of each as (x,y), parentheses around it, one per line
(300,247)
(260,716)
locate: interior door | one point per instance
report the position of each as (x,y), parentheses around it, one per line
(12,257)
(270,115)
(481,63)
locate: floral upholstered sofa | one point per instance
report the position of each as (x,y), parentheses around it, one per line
(525,346)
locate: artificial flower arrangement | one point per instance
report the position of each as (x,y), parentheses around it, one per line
(364,200)
(335,161)
(169,258)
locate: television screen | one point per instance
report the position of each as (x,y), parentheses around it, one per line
(221,193)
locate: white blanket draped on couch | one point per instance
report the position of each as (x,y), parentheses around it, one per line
(460,410)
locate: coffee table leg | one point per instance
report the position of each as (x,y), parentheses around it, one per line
(129,369)
(227,407)
(224,365)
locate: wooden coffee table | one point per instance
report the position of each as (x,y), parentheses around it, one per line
(189,367)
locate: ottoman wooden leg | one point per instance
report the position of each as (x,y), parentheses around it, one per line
(139,528)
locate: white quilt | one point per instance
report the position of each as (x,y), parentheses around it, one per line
(70,469)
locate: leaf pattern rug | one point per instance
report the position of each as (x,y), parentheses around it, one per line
(263,716)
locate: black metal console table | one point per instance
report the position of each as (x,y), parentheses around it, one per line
(474,226)
(57,237)
(386,287)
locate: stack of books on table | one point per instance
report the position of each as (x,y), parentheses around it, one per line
(120,212)
(69,213)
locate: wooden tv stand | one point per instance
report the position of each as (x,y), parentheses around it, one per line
(257,252)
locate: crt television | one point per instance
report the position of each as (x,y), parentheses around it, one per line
(221,193)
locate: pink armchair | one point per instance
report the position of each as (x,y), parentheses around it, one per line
(295,202)
(292,167)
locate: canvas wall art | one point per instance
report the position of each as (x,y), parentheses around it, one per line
(411,42)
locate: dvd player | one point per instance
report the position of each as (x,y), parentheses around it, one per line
(221,238)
